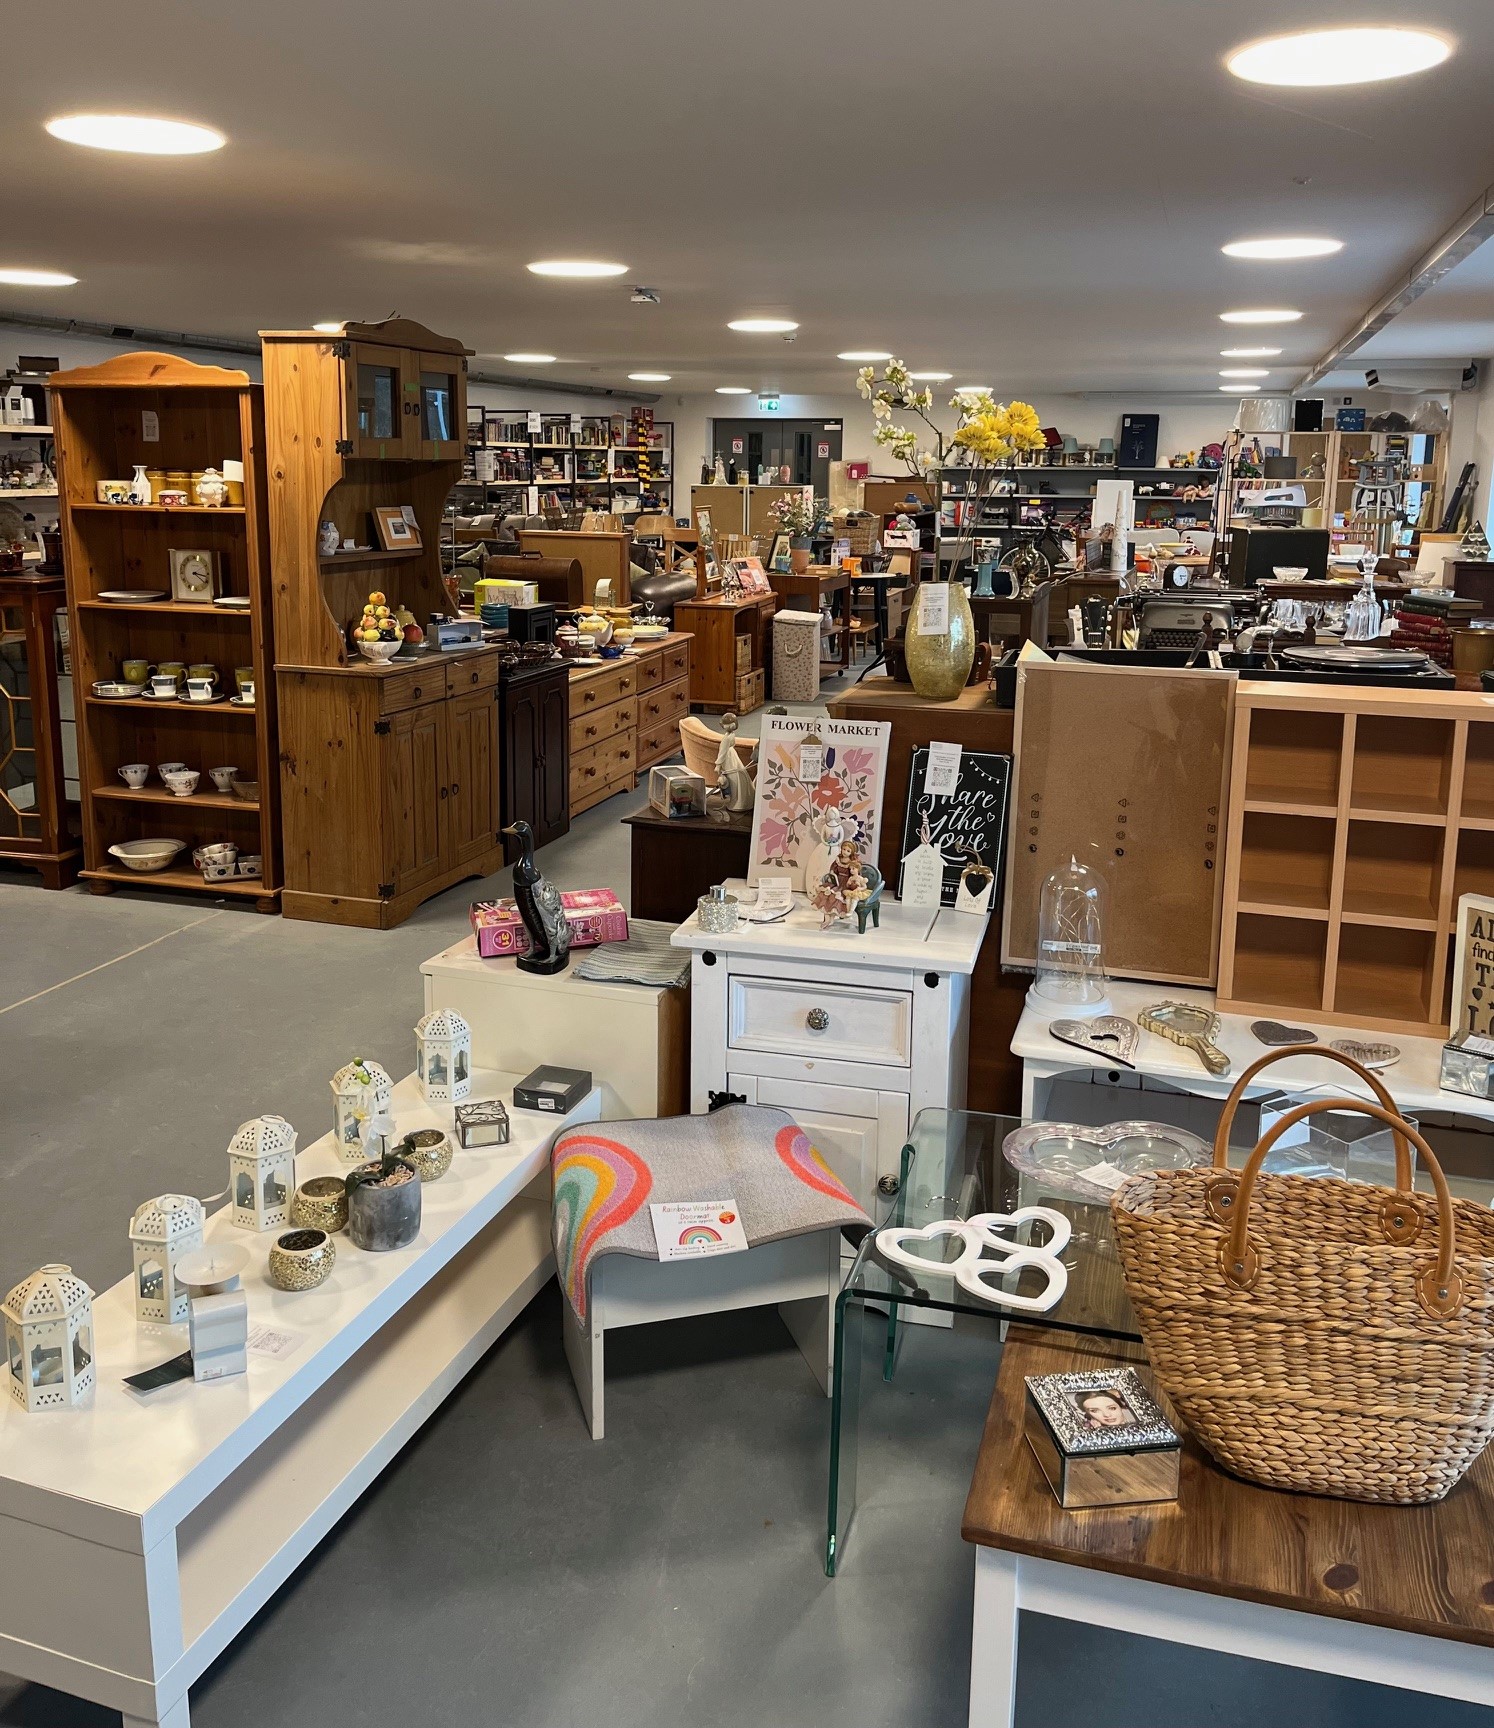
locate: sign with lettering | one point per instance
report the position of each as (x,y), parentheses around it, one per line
(1473,969)
(968,825)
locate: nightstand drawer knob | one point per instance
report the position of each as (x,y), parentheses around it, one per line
(817,1020)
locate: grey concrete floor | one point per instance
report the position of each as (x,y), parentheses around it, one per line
(505,1570)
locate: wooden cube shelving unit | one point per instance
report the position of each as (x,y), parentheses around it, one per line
(1357,818)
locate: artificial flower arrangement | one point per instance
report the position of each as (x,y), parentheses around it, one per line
(992,432)
(798,514)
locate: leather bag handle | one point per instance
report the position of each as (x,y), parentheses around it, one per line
(1439,1289)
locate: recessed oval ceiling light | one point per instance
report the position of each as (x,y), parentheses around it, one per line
(530,359)
(868,354)
(1248,353)
(1239,389)
(972,389)
(932,377)
(37,278)
(732,390)
(1244,372)
(763,326)
(650,377)
(1362,54)
(1285,246)
(331,327)
(576,267)
(138,134)
(1260,315)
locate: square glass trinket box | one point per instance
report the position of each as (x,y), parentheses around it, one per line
(1468,1066)
(483,1122)
(1101,1439)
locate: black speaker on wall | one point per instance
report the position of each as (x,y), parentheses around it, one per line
(1138,441)
(1307,414)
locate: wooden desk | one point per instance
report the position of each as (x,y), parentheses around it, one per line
(1009,619)
(1397,1595)
(970,720)
(805,593)
(717,682)
(677,859)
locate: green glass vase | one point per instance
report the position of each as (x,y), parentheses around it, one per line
(939,660)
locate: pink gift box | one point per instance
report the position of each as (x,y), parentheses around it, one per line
(594,915)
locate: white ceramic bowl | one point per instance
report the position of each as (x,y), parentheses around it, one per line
(147,855)
(381,653)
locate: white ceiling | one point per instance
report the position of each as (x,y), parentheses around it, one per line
(1030,196)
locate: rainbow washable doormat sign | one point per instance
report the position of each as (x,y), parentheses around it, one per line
(693,1229)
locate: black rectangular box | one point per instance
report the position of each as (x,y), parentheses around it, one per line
(553,1090)
(532,623)
(1254,553)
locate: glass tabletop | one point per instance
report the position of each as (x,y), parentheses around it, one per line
(958,1163)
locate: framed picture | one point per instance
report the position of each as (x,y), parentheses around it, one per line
(778,558)
(808,765)
(970,819)
(1473,969)
(751,577)
(194,575)
(1106,1410)
(398,530)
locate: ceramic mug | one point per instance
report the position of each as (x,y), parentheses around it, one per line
(182,782)
(242,676)
(165,768)
(176,668)
(201,689)
(136,671)
(203,669)
(223,778)
(163,684)
(135,774)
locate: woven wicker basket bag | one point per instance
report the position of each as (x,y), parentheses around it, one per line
(1316,1334)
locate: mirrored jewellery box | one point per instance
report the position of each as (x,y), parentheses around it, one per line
(1101,1439)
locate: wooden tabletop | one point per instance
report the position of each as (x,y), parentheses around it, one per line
(1426,1569)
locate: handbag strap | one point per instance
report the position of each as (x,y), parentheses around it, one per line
(1403,1179)
(1439,1289)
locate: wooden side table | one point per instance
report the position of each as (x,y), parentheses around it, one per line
(1328,1585)
(33,799)
(720,681)
(807,592)
(678,859)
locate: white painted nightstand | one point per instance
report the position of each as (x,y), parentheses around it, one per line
(852,1034)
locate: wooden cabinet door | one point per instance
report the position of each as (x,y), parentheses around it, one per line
(382,416)
(472,768)
(553,770)
(534,722)
(441,420)
(418,797)
(859,1133)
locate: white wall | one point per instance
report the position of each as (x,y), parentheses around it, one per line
(1472,440)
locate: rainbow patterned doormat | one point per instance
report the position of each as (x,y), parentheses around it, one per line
(607,1173)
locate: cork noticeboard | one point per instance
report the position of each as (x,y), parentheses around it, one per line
(1127,771)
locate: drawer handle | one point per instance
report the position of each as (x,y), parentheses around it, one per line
(817,1020)
(590,732)
(417,690)
(590,772)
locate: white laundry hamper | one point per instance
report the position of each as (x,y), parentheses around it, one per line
(796,657)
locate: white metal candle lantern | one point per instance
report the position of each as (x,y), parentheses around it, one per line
(49,1340)
(262,1173)
(443,1057)
(161,1231)
(360,1091)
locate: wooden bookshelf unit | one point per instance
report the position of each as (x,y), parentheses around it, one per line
(166,413)
(1357,817)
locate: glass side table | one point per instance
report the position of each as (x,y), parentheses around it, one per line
(952,1167)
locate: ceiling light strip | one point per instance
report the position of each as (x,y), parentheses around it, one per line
(1460,241)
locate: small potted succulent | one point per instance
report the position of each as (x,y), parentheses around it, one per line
(797,515)
(384,1203)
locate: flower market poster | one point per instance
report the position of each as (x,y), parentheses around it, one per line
(808,767)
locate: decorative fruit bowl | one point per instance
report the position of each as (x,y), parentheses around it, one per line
(147,855)
(381,653)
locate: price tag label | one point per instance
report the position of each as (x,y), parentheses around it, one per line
(150,426)
(933,602)
(923,876)
(942,777)
(1104,1176)
(978,902)
(532,421)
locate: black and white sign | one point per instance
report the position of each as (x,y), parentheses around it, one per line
(971,819)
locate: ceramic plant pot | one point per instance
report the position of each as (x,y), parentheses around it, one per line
(383,1217)
(939,661)
(301,1259)
(798,556)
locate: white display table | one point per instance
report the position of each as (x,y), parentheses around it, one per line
(1412,1081)
(853,1035)
(140,1536)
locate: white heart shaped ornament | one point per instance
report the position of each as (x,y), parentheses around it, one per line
(986,1251)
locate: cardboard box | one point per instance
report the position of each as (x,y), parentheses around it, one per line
(594,915)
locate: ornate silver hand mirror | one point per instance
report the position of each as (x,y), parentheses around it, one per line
(1192,1027)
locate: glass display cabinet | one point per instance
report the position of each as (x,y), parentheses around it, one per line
(33,804)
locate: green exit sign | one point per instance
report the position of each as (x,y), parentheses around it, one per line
(767,404)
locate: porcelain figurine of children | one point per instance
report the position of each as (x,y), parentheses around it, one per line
(842,887)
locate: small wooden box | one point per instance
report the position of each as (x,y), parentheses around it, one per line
(749,691)
(1100,1465)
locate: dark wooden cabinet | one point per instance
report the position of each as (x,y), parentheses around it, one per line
(534,747)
